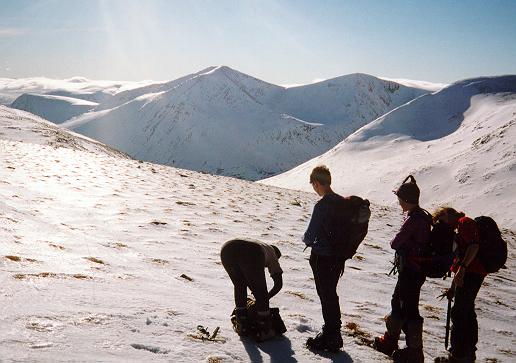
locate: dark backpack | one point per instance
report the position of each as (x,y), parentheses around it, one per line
(492,253)
(439,256)
(277,323)
(349,225)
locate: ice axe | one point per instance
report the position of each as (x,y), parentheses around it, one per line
(447,336)
(448,293)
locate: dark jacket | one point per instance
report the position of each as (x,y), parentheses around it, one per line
(414,235)
(317,233)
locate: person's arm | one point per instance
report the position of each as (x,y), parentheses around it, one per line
(314,226)
(403,235)
(278,284)
(467,231)
(469,256)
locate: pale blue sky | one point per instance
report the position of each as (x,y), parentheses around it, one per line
(280,41)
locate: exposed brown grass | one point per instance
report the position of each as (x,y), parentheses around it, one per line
(14,258)
(95,260)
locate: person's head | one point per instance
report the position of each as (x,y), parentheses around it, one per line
(276,251)
(447,215)
(320,178)
(408,194)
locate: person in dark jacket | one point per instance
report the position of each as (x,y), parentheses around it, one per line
(469,275)
(326,266)
(245,261)
(411,241)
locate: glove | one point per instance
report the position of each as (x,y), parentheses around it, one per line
(447,293)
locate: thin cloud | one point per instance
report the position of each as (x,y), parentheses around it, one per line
(11,32)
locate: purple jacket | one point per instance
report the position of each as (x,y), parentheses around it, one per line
(414,235)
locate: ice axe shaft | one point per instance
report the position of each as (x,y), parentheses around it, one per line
(448,316)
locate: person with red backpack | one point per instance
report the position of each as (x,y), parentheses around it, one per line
(410,243)
(469,275)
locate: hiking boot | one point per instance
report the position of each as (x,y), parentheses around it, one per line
(450,358)
(385,344)
(240,322)
(325,341)
(408,355)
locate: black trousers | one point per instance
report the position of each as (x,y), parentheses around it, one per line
(244,262)
(405,299)
(464,332)
(326,276)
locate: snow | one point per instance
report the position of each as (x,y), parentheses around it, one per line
(222,121)
(93,247)
(429,86)
(458,143)
(11,88)
(55,108)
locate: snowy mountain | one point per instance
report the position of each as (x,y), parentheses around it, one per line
(348,102)
(459,143)
(109,259)
(51,107)
(207,123)
(127,95)
(75,87)
(222,121)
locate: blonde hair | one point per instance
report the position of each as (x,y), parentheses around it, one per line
(447,214)
(321,174)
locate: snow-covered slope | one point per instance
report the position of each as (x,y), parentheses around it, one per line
(349,101)
(54,108)
(458,142)
(75,87)
(207,123)
(225,122)
(21,126)
(108,259)
(127,95)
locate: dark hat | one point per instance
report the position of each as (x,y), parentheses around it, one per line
(408,191)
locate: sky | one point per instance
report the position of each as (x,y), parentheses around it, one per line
(284,42)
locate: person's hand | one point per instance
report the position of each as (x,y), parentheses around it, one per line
(447,293)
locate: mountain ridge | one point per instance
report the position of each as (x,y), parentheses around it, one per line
(468,163)
(250,109)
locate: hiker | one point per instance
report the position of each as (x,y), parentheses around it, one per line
(469,275)
(326,266)
(410,242)
(245,261)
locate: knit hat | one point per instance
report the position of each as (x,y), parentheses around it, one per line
(408,192)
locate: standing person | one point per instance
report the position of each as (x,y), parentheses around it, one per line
(245,261)
(469,275)
(326,266)
(411,241)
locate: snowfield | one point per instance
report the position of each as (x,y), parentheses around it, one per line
(459,143)
(109,259)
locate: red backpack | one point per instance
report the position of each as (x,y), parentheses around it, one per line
(493,249)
